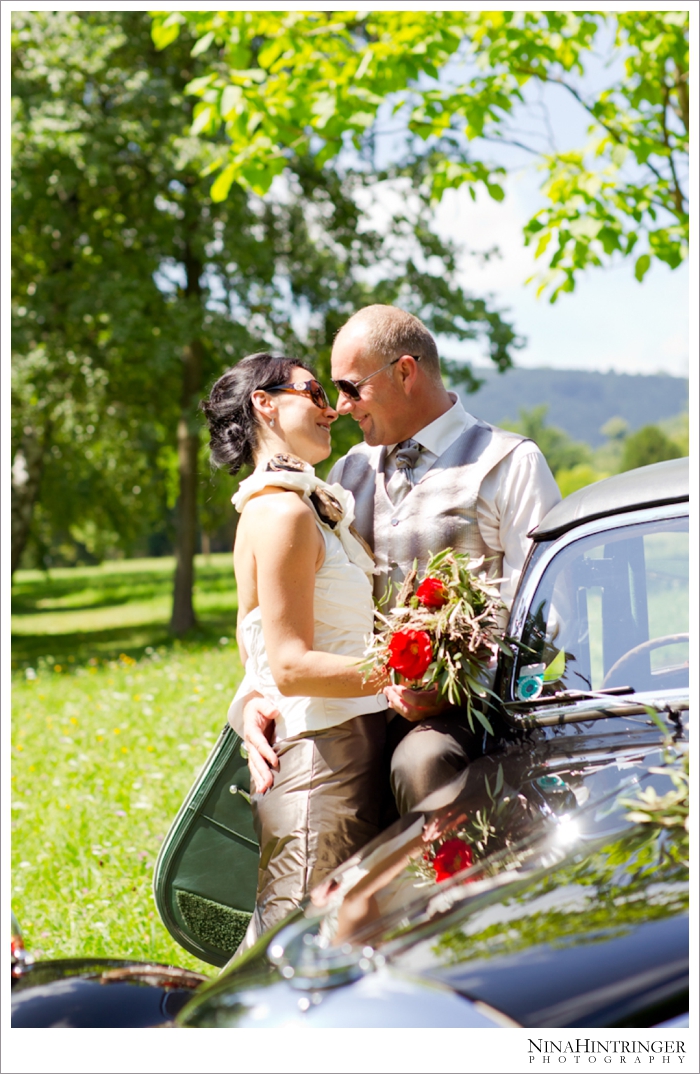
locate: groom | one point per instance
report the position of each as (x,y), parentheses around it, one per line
(428,476)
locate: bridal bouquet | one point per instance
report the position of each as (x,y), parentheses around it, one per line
(444,631)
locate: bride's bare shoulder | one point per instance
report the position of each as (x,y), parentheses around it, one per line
(278,506)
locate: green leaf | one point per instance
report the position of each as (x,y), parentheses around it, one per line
(203,44)
(323,108)
(483,720)
(203,116)
(164,33)
(556,670)
(656,717)
(197,86)
(364,65)
(222,183)
(231,97)
(543,243)
(642,266)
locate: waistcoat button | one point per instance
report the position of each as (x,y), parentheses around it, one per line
(394,521)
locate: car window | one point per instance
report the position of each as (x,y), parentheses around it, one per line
(611,610)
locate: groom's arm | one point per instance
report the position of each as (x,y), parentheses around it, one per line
(514,498)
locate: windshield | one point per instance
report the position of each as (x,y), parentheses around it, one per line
(610,611)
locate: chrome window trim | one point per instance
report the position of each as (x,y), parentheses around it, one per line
(532,579)
(581,711)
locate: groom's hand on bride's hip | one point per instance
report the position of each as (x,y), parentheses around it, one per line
(259,717)
(415,705)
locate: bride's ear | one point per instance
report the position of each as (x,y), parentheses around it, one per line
(264,406)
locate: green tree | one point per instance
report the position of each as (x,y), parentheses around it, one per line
(278,83)
(646,446)
(561,452)
(133,287)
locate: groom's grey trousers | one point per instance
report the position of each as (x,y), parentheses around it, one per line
(428,754)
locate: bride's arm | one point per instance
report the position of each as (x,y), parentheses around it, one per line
(288,548)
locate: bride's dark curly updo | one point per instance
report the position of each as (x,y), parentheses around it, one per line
(231,417)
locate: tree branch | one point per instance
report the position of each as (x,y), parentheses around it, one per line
(683,110)
(510,141)
(615,134)
(576,95)
(677,192)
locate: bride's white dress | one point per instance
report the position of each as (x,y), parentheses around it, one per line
(326,798)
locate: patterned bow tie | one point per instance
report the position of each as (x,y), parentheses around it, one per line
(406,457)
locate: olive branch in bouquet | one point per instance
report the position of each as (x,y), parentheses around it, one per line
(443,632)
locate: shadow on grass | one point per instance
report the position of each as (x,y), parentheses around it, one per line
(85,592)
(76,650)
(90,589)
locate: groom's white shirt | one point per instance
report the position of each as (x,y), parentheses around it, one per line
(513,498)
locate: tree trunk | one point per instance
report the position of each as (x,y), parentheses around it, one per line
(183,617)
(27,468)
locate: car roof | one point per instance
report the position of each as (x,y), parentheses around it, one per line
(649,486)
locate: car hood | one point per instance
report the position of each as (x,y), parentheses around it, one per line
(503,875)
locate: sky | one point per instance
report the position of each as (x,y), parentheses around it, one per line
(611,321)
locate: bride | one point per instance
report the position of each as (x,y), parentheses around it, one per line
(305,610)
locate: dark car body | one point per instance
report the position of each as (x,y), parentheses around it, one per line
(548,884)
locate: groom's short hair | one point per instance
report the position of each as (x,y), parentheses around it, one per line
(391,332)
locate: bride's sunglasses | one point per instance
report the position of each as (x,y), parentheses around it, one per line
(315,391)
(351,388)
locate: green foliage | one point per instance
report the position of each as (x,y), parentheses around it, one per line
(291,83)
(125,259)
(560,451)
(625,187)
(577,477)
(574,465)
(677,429)
(670,810)
(106,741)
(667,439)
(646,446)
(580,401)
(281,82)
(615,428)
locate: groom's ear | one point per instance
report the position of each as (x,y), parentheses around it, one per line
(407,372)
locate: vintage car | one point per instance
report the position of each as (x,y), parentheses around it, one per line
(546,886)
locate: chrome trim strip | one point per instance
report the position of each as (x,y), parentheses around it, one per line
(565,714)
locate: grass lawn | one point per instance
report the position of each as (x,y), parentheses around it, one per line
(112,719)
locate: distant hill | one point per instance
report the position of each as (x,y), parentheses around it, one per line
(579,402)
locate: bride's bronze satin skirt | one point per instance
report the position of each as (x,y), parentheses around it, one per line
(324,806)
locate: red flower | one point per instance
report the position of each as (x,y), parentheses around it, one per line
(453,856)
(411,653)
(432,593)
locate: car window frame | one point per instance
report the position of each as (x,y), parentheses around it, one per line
(542,554)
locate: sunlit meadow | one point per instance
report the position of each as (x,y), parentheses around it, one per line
(111,722)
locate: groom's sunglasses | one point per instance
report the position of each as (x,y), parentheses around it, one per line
(351,388)
(315,391)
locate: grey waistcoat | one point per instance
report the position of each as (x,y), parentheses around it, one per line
(440,510)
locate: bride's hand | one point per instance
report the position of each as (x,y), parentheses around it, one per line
(258,729)
(415,705)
